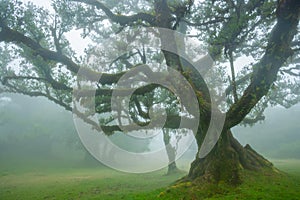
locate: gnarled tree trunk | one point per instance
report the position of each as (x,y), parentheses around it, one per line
(226,161)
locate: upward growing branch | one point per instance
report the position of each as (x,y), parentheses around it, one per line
(233,82)
(265,72)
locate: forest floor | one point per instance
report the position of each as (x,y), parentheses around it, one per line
(102,183)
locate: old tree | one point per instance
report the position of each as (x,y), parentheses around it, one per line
(37,59)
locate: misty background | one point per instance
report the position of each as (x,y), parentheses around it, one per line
(35,132)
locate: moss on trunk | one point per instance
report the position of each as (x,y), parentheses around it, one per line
(226,161)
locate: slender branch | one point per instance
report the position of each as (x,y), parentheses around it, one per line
(242,80)
(6,78)
(254,120)
(290,72)
(55,38)
(145,115)
(233,82)
(38,94)
(296,49)
(204,23)
(124,57)
(55,84)
(228,34)
(120,19)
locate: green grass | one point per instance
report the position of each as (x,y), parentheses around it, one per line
(256,187)
(103,183)
(265,186)
(79,184)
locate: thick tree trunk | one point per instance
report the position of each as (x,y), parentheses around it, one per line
(226,162)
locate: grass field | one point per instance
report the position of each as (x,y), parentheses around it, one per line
(103,183)
(283,186)
(88,183)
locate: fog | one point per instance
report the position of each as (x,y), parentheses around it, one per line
(36,133)
(277,137)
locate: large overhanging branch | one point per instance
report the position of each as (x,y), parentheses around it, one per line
(120,19)
(172,122)
(9,35)
(265,72)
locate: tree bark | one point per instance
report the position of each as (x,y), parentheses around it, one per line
(226,162)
